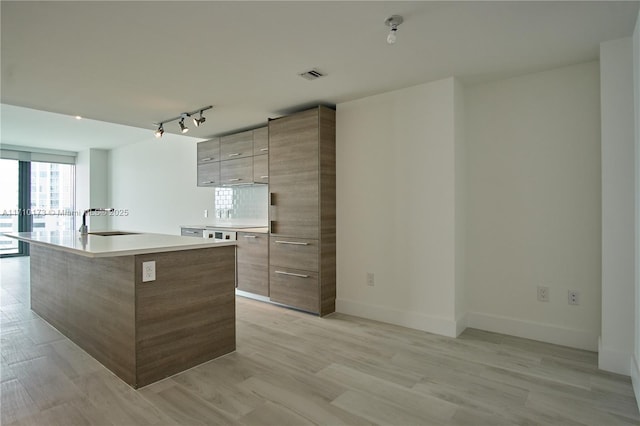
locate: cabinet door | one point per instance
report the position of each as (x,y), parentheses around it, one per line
(253,263)
(261,141)
(209,151)
(209,174)
(261,169)
(293,175)
(238,171)
(236,146)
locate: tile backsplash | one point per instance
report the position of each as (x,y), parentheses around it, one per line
(245,203)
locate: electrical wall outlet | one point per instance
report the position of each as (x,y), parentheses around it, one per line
(370,279)
(574,297)
(206,213)
(148,271)
(543,294)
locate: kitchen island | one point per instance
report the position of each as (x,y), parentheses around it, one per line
(146,306)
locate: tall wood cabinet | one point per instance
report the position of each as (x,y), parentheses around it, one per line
(302,181)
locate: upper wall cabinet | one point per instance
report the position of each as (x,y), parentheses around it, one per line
(238,159)
(235,146)
(209,151)
(261,141)
(209,162)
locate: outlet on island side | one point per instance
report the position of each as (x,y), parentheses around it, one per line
(206,213)
(148,271)
(370,279)
(543,293)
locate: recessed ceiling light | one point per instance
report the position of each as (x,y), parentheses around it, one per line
(78,117)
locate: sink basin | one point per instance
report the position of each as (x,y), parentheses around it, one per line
(112,233)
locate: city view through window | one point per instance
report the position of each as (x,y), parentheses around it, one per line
(50,202)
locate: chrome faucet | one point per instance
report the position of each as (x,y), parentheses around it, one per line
(84,229)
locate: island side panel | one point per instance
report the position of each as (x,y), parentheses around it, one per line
(187,315)
(89,300)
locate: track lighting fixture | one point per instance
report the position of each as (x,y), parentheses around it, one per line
(393,21)
(183,128)
(160,131)
(198,121)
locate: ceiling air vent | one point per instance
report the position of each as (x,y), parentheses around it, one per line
(312,74)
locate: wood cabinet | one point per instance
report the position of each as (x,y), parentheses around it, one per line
(235,146)
(209,174)
(241,158)
(302,210)
(235,172)
(208,154)
(252,254)
(261,168)
(261,141)
(209,151)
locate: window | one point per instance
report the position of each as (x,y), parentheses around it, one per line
(35,195)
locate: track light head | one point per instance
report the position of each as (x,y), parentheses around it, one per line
(183,128)
(198,121)
(159,132)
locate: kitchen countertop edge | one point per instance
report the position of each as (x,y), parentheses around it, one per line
(136,242)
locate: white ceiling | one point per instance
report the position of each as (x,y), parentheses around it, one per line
(137,63)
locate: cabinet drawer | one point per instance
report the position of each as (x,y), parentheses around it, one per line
(236,146)
(295,288)
(294,253)
(253,248)
(261,169)
(209,151)
(238,171)
(261,141)
(209,174)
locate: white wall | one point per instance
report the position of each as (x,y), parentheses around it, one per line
(635,364)
(533,205)
(92,185)
(396,213)
(618,206)
(156,181)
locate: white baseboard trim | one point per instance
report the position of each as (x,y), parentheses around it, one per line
(415,320)
(549,333)
(613,361)
(635,378)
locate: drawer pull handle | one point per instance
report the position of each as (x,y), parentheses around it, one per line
(264,149)
(264,177)
(293,243)
(249,236)
(292,274)
(210,181)
(235,180)
(235,154)
(207,159)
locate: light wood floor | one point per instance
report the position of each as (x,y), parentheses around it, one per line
(295,369)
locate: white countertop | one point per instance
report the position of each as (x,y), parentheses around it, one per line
(116,245)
